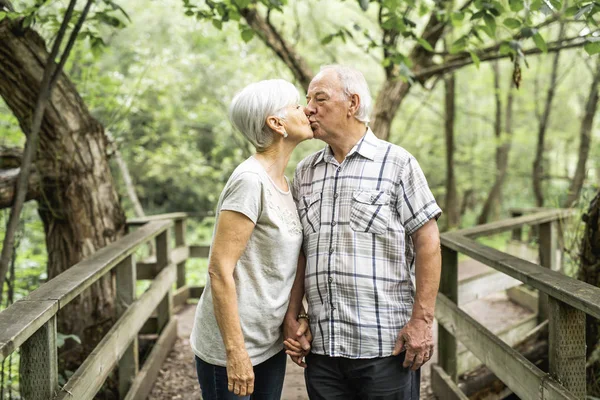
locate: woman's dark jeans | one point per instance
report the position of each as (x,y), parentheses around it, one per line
(268,380)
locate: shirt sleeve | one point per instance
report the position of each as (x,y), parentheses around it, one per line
(416,204)
(244,195)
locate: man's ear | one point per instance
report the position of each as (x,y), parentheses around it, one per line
(275,124)
(354,105)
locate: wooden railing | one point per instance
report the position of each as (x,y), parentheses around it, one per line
(30,324)
(564,302)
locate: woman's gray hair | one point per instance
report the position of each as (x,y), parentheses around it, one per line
(353,82)
(250,108)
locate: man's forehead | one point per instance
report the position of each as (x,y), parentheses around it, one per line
(326,82)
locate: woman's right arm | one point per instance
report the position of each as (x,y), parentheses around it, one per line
(232,234)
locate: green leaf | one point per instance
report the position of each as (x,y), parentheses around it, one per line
(458,15)
(242,3)
(475,59)
(28,21)
(477,15)
(528,32)
(557,4)
(459,45)
(569,12)
(217,23)
(425,44)
(505,49)
(592,48)
(327,39)
(512,23)
(2,15)
(247,35)
(540,42)
(490,22)
(536,5)
(516,5)
(456,18)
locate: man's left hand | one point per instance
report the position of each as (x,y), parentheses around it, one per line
(417,339)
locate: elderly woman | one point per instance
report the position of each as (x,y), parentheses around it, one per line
(237,334)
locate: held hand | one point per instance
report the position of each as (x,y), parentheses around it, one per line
(417,339)
(297,337)
(240,374)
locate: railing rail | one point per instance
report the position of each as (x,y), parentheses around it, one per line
(564,301)
(30,323)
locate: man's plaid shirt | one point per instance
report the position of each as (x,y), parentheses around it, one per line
(357,218)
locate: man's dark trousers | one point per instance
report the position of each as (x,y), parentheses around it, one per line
(332,378)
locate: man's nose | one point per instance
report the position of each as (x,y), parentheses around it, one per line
(309,110)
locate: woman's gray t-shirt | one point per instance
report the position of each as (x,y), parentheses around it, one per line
(264,273)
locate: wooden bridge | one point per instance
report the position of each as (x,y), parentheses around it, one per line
(463,342)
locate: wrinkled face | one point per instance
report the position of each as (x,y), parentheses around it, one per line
(296,123)
(327,106)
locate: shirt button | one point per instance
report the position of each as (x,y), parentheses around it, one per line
(339,169)
(335,196)
(332,223)
(330,279)
(331,250)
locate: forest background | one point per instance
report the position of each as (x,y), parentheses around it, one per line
(159,75)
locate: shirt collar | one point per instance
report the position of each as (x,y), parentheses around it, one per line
(366,147)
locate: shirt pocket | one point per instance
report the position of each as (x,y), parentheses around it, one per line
(309,211)
(370,211)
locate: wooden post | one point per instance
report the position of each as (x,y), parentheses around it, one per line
(448,287)
(567,346)
(547,253)
(163,258)
(129,362)
(517,233)
(38,368)
(180,241)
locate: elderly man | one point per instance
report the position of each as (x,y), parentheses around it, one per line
(370,228)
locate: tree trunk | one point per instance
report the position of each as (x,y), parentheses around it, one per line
(589,270)
(452,204)
(585,137)
(503,145)
(538,163)
(386,106)
(79,205)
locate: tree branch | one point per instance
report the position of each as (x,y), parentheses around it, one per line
(8,181)
(427,73)
(273,39)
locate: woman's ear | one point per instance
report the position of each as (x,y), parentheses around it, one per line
(354,105)
(275,124)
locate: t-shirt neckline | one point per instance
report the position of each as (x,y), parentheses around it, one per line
(271,180)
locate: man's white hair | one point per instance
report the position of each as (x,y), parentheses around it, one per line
(250,108)
(354,82)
